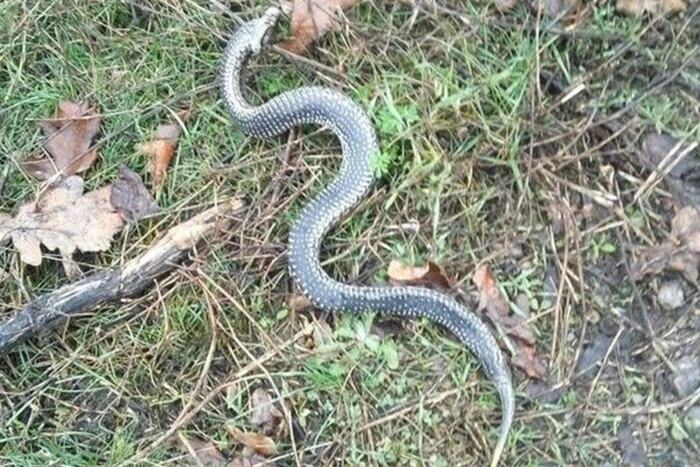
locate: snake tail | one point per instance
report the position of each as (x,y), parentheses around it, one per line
(346,119)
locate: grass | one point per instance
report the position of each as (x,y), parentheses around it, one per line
(478,151)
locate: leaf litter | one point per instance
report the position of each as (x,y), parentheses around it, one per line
(161,150)
(430,275)
(492,302)
(264,412)
(255,442)
(67,219)
(311,19)
(256,446)
(69,137)
(64,219)
(130,197)
(202,452)
(680,253)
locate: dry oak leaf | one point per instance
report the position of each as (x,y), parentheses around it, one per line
(311,19)
(261,444)
(65,219)
(429,275)
(494,304)
(655,7)
(161,151)
(69,139)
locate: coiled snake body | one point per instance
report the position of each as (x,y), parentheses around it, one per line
(331,108)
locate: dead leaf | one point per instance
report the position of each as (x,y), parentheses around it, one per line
(264,412)
(429,275)
(69,139)
(161,151)
(65,219)
(680,254)
(259,443)
(494,304)
(527,360)
(203,453)
(655,7)
(492,301)
(299,303)
(130,197)
(311,19)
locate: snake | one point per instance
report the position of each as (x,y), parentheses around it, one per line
(332,109)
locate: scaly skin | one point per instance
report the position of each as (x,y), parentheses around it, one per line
(330,108)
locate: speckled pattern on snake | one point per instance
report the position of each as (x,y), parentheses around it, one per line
(334,110)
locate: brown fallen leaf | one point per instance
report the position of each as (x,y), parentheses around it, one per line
(492,301)
(69,139)
(494,304)
(259,443)
(299,303)
(311,19)
(655,7)
(65,219)
(161,151)
(680,254)
(527,360)
(430,275)
(264,412)
(130,197)
(203,453)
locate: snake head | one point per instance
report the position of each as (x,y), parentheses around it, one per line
(260,28)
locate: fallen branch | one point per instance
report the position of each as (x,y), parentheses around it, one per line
(47,311)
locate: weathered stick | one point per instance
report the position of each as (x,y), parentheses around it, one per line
(47,311)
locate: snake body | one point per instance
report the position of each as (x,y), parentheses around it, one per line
(334,110)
